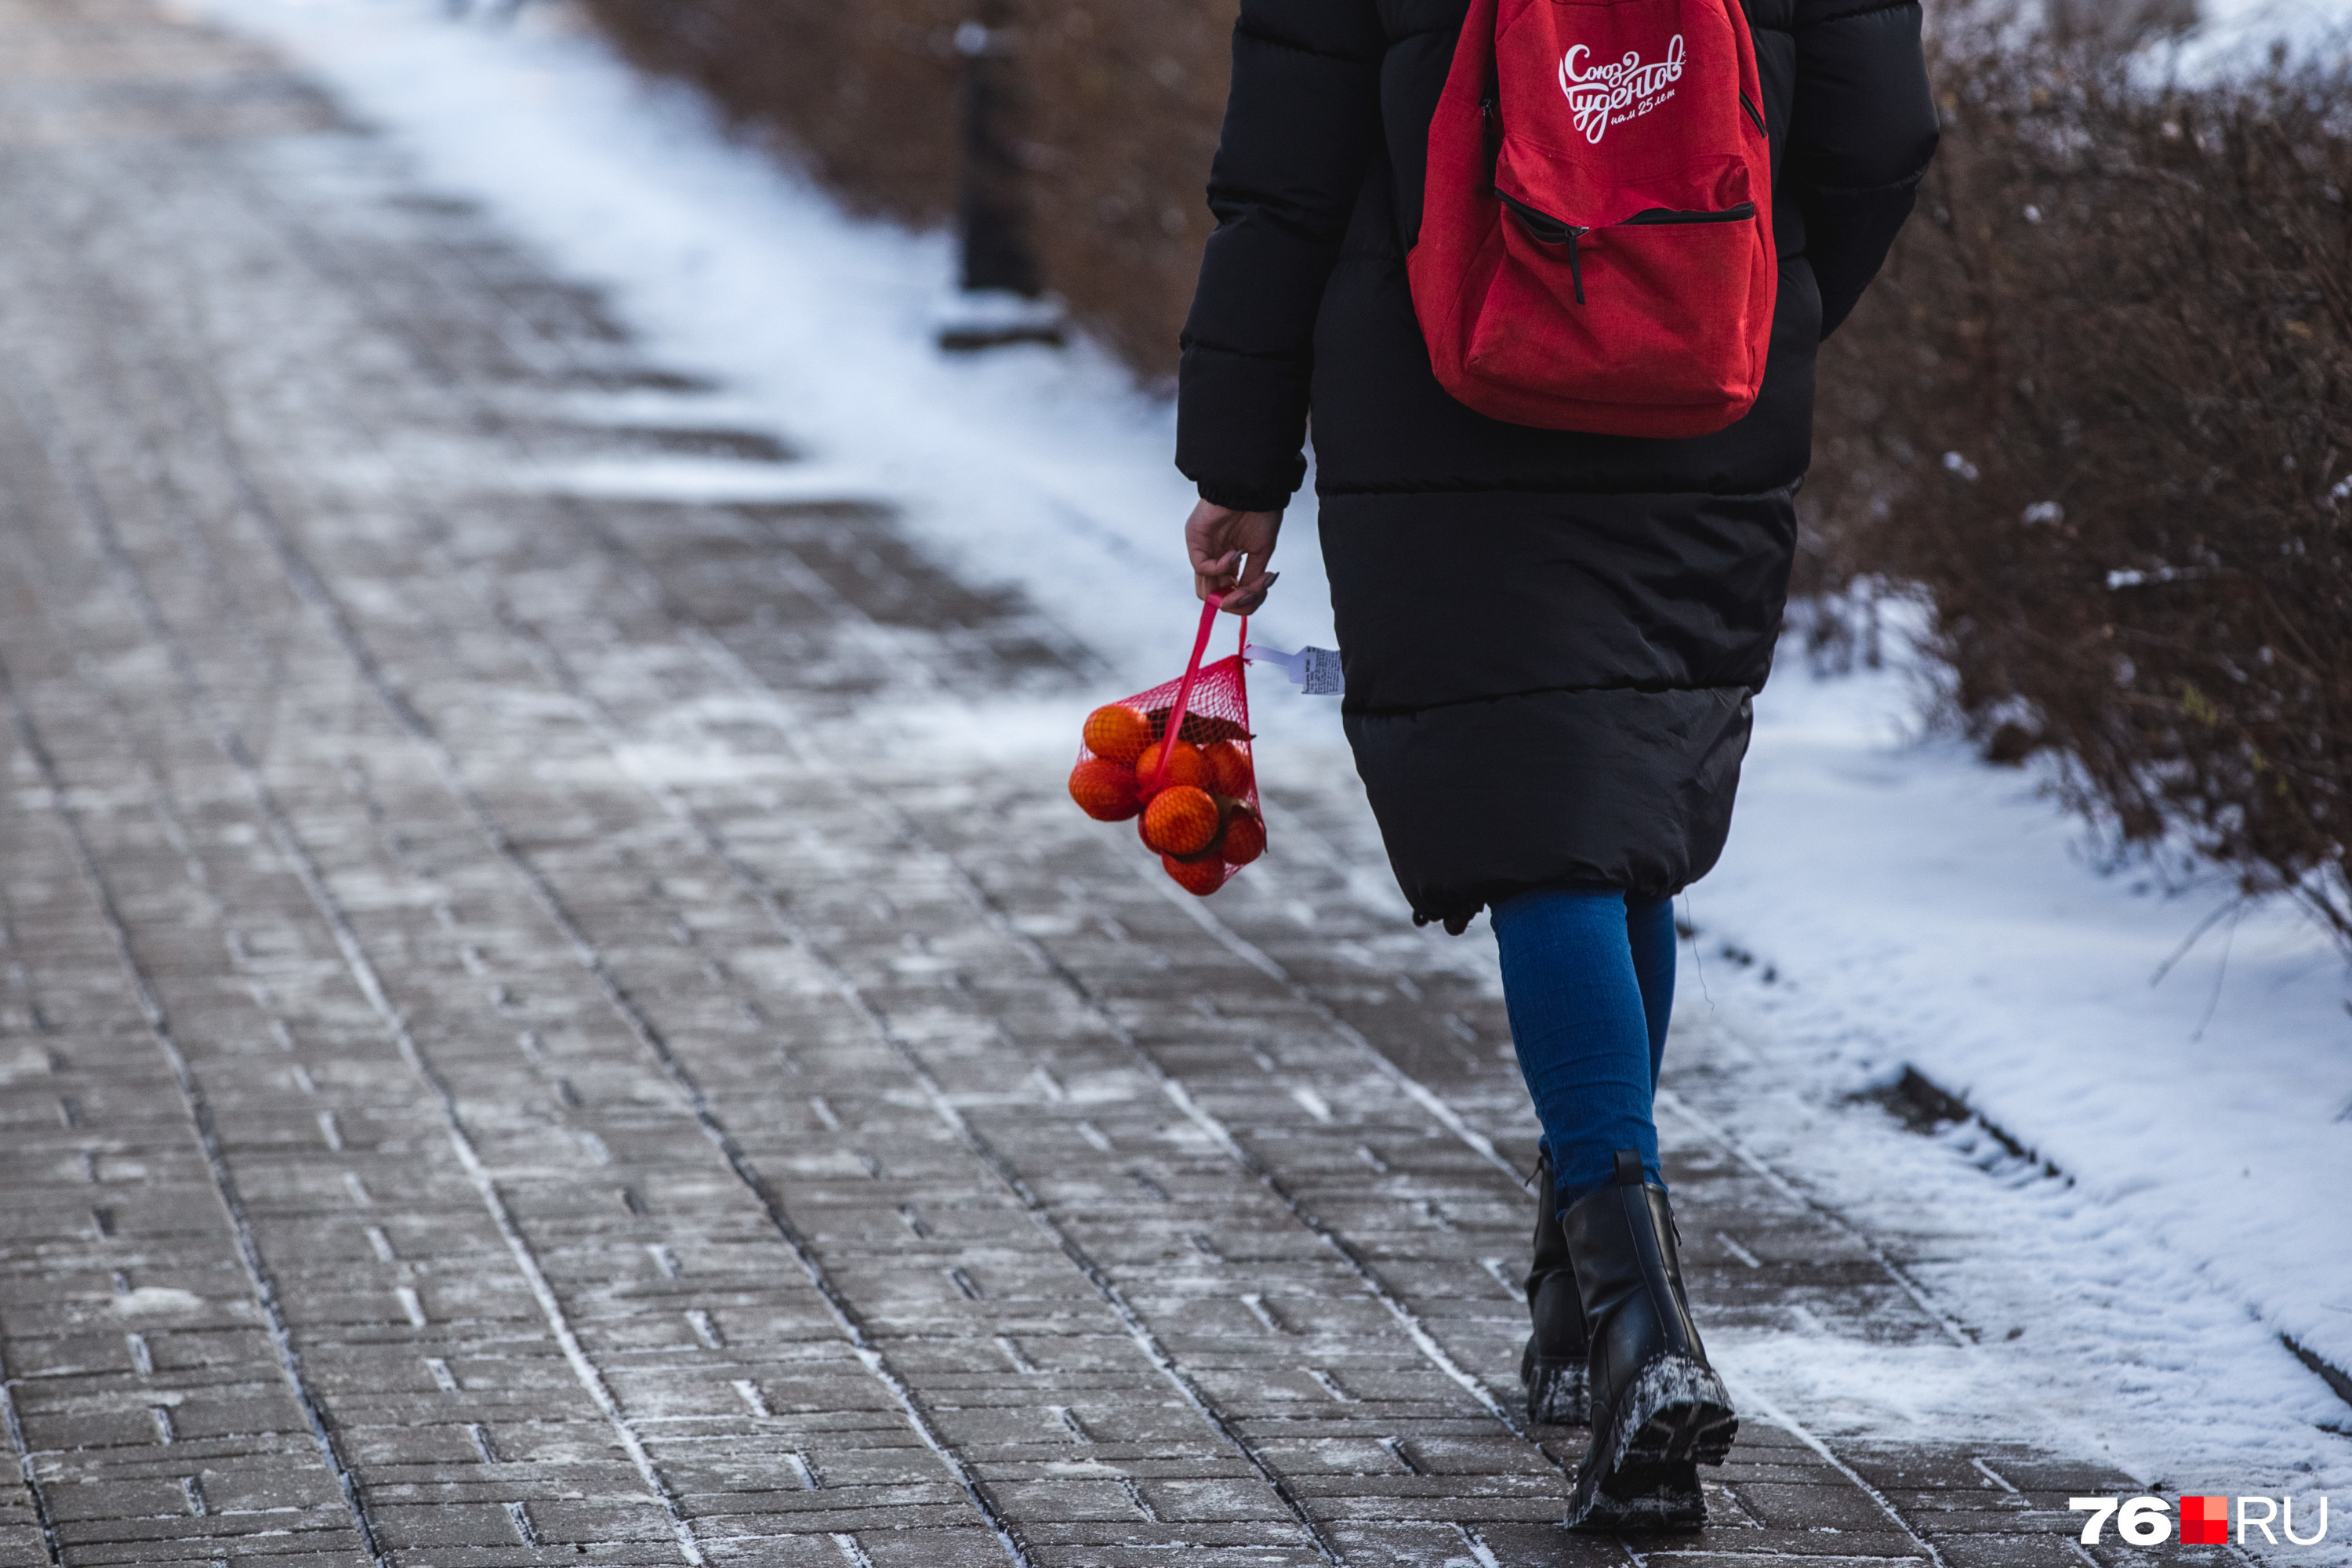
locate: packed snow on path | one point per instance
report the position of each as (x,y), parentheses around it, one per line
(1892,900)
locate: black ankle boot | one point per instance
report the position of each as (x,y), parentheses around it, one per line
(1658,1410)
(1554,1364)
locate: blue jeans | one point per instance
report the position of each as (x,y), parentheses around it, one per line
(1588,980)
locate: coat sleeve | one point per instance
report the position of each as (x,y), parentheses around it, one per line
(1862,134)
(1301,126)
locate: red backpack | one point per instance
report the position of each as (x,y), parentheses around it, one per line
(1596,242)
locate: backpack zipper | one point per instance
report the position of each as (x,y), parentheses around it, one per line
(1549,230)
(1490,119)
(1739,213)
(1753,115)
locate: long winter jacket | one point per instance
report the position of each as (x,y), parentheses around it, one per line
(1551,640)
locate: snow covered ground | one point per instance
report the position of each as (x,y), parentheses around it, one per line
(2239,30)
(1902,903)
(1915,906)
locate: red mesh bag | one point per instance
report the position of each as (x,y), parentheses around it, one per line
(1195,802)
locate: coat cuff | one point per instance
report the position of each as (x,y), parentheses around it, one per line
(1243,497)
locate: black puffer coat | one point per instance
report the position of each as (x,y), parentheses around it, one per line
(1550,639)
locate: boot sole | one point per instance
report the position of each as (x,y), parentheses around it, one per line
(1677,1412)
(1677,1415)
(1654,1496)
(1558,1393)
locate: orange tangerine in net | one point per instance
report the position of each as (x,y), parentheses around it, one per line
(1188,766)
(1244,838)
(1198,878)
(1117,733)
(1228,769)
(1181,820)
(1104,790)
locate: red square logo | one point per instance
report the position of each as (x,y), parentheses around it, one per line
(2204,1521)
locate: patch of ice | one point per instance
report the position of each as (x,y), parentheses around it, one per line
(22,1062)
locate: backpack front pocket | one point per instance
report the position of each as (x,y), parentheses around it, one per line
(1654,309)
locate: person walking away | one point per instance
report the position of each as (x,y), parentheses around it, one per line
(1551,634)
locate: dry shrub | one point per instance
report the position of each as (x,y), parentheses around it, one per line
(1115,125)
(863,93)
(2100,409)
(1126,101)
(2112,25)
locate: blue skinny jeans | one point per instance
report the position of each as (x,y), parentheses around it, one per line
(1588,980)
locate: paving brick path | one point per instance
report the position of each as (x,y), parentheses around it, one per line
(503,1059)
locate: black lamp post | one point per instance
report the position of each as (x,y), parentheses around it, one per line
(1003,298)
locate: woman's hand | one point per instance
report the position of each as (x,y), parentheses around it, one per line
(1229,553)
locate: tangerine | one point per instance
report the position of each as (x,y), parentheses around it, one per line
(1181,820)
(1185,766)
(1244,838)
(1198,878)
(1229,766)
(1104,790)
(1117,733)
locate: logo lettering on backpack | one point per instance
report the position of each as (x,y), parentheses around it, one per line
(1601,96)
